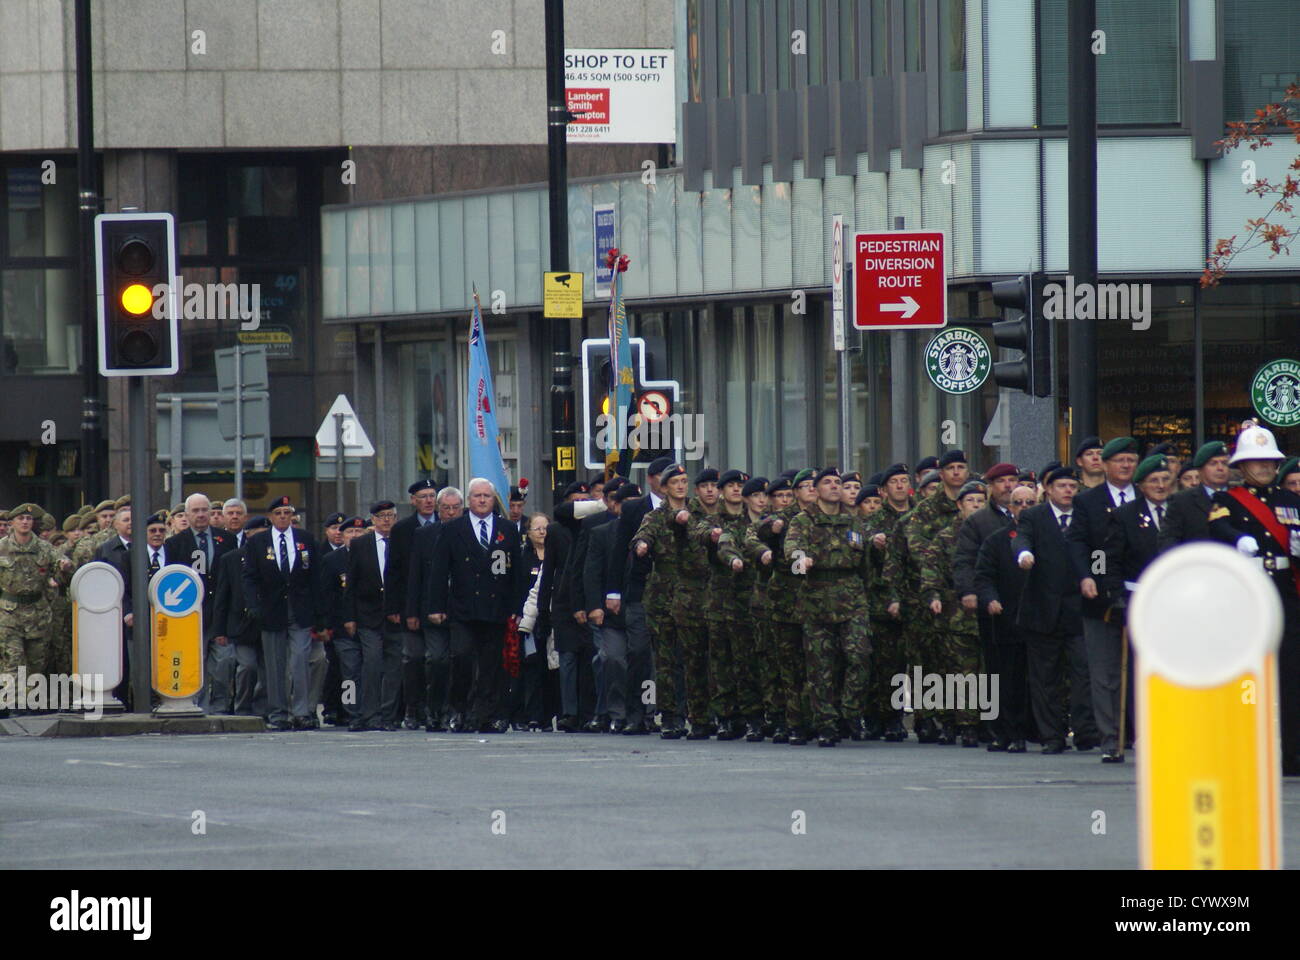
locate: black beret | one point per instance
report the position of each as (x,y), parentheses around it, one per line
(825,472)
(280,502)
(672,470)
(1027,476)
(1187,466)
(659,466)
(1163,449)
(577,486)
(334,519)
(707,475)
(868,490)
(614,482)
(877,479)
(517,495)
(851,477)
(1059,473)
(625,491)
(1086,444)
(595,479)
(257,523)
(354,523)
(1048,468)
(951,457)
(379,505)
(754,485)
(733,476)
(422,484)
(788,474)
(974,486)
(929,477)
(779,484)
(159,517)
(899,469)
(924,464)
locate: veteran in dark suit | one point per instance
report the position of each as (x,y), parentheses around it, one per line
(282,591)
(199,547)
(233,625)
(476,584)
(1189,510)
(372,573)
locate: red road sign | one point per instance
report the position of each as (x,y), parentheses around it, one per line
(900,280)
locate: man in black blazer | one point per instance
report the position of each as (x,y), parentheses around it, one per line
(620,702)
(1131,544)
(1049,614)
(999,583)
(1087,539)
(423,496)
(477,583)
(1188,511)
(426,700)
(199,547)
(334,538)
(233,625)
(282,591)
(372,573)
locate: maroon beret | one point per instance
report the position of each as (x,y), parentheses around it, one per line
(1000,470)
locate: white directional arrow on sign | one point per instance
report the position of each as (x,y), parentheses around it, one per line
(906,308)
(173,596)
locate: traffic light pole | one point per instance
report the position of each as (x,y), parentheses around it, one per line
(557,119)
(1082,152)
(92,436)
(141,673)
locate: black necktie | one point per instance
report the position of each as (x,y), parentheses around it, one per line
(203,545)
(1160,515)
(1065,522)
(482,533)
(284,555)
(153,562)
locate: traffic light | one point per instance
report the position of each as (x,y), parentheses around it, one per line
(1025,328)
(654,429)
(135,261)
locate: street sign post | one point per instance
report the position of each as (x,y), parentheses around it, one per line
(341,442)
(96,592)
(1207,734)
(900,280)
(176,600)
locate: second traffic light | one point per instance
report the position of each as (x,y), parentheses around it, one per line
(1025,328)
(135,260)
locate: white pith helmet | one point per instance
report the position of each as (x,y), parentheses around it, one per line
(1255,443)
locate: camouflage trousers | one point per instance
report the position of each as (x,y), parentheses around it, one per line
(58,655)
(747,653)
(722,668)
(838,665)
(919,643)
(681,654)
(787,656)
(17,651)
(957,653)
(888,660)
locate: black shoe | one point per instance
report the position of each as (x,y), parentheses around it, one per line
(946,736)
(388,727)
(567,725)
(859,731)
(926,732)
(634,730)
(1054,746)
(798,737)
(329,719)
(844,730)
(753,732)
(596,725)
(1016,746)
(769,728)
(1111,756)
(826,737)
(970,737)
(457,723)
(727,730)
(412,723)
(359,726)
(780,734)
(895,732)
(997,746)
(279,725)
(700,731)
(671,732)
(1085,745)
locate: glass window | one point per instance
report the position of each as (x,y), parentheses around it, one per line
(763,395)
(1261,54)
(262,213)
(952,65)
(693,61)
(913,37)
(794,389)
(736,448)
(816,42)
(725,65)
(879,37)
(783,44)
(1137,79)
(37,321)
(847,37)
(754,46)
(42,216)
(830,428)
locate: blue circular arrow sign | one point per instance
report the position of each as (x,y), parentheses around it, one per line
(176,590)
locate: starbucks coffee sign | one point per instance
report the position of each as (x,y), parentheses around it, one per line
(958,360)
(1275,393)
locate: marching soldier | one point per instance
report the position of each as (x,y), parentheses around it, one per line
(690,601)
(1262,520)
(775,615)
(827,545)
(29,567)
(886,598)
(1189,510)
(731,636)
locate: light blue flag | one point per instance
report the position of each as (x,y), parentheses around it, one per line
(481,419)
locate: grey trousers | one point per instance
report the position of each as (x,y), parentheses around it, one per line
(218,678)
(640,663)
(598,670)
(372,673)
(317,667)
(287,654)
(349,654)
(250,679)
(1105,647)
(611,665)
(426,659)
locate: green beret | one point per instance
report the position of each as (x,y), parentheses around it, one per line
(1215,448)
(121,502)
(1291,466)
(1149,466)
(89,522)
(84,509)
(71,523)
(4,515)
(807,473)
(31,509)
(1119,445)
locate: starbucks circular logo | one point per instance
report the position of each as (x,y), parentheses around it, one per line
(958,360)
(1275,393)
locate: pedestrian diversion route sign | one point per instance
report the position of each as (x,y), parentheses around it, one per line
(900,280)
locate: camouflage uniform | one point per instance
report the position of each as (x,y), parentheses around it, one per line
(733,618)
(760,615)
(956,649)
(888,648)
(678,581)
(833,608)
(25,615)
(786,628)
(58,654)
(923,524)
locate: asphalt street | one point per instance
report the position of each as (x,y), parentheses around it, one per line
(330,800)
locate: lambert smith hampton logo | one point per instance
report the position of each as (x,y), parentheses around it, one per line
(1275,393)
(958,360)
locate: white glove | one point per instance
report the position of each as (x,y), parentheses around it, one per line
(552,656)
(1295,543)
(1248,545)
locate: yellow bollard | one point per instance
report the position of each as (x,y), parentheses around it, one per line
(176,598)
